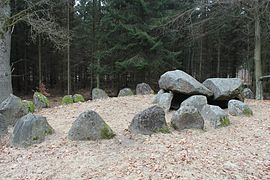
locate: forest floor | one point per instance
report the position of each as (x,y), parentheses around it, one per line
(240,151)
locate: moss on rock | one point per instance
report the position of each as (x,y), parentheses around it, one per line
(29,105)
(225,121)
(78,98)
(106,132)
(164,130)
(67,99)
(42,98)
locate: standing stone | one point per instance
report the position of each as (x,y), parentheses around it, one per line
(187,117)
(40,100)
(224,88)
(214,117)
(143,89)
(31,129)
(99,94)
(125,92)
(156,98)
(198,101)
(165,101)
(13,109)
(181,82)
(89,126)
(149,121)
(238,108)
(248,94)
(3,125)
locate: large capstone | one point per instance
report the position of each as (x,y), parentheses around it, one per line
(187,117)
(224,88)
(198,101)
(214,117)
(247,93)
(238,108)
(89,126)
(40,100)
(99,94)
(149,121)
(31,129)
(125,92)
(13,109)
(180,82)
(143,89)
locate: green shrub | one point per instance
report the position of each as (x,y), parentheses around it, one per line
(67,99)
(29,105)
(78,98)
(225,121)
(42,98)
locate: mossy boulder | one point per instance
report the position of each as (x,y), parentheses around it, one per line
(13,109)
(90,126)
(40,101)
(125,92)
(238,108)
(68,99)
(99,94)
(78,98)
(143,89)
(29,105)
(31,129)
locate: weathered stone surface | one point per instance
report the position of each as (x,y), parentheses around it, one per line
(187,117)
(3,125)
(13,109)
(89,126)
(31,129)
(40,100)
(125,92)
(181,82)
(247,94)
(224,88)
(198,101)
(99,94)
(149,121)
(238,108)
(143,89)
(165,101)
(214,117)
(157,96)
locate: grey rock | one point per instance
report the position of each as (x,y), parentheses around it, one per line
(143,89)
(149,121)
(247,94)
(13,109)
(3,125)
(157,96)
(198,101)
(181,82)
(165,101)
(99,94)
(40,101)
(214,117)
(187,117)
(238,108)
(224,88)
(31,129)
(89,126)
(125,92)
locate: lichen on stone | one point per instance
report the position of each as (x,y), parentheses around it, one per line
(106,132)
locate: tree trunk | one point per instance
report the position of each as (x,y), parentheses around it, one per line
(5,46)
(39,60)
(68,50)
(257,55)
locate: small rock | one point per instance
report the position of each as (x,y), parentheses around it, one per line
(248,94)
(230,166)
(214,117)
(125,92)
(149,121)
(238,108)
(99,94)
(40,100)
(31,129)
(143,89)
(198,101)
(187,117)
(89,126)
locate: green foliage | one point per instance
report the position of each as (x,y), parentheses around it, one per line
(78,98)
(248,112)
(225,121)
(67,99)
(164,130)
(106,132)
(49,131)
(29,105)
(42,98)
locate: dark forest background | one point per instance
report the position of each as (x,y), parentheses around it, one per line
(119,43)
